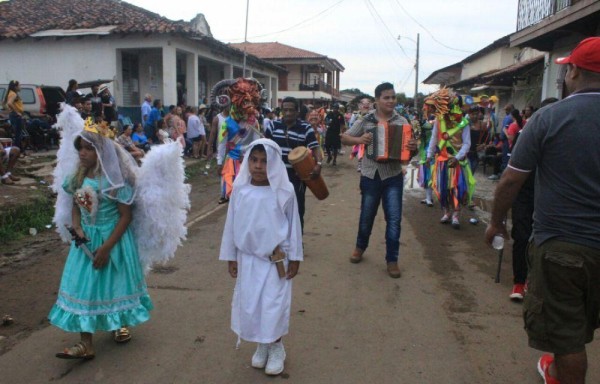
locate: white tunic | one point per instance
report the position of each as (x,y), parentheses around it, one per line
(255,225)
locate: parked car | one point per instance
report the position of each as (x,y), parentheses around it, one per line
(39,101)
(41,104)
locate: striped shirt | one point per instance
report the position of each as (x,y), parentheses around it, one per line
(370,167)
(301,134)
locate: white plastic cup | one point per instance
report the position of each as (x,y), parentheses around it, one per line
(498,242)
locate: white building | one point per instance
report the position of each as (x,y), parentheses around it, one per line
(140,51)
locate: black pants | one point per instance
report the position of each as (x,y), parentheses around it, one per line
(300,189)
(522,226)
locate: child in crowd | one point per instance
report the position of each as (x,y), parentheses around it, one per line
(102,286)
(262,224)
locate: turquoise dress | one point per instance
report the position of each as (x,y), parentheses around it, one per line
(103,299)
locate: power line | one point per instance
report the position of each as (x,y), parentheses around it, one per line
(383,39)
(428,32)
(308,20)
(388,30)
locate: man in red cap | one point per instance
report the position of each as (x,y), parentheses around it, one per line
(561,142)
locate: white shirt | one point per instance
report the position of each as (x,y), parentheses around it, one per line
(195,127)
(146,108)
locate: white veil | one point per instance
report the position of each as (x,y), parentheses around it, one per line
(276,171)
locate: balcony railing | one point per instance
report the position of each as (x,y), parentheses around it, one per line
(317,86)
(533,11)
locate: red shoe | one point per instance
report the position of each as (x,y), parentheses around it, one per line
(543,367)
(518,292)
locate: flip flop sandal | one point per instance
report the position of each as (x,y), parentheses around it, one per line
(122,335)
(77,352)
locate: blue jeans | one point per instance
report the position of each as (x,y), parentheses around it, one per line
(18,126)
(389,192)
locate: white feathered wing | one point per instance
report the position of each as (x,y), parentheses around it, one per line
(70,125)
(161,205)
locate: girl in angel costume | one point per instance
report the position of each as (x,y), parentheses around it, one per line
(262,223)
(107,203)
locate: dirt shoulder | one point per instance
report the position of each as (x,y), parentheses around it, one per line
(30,268)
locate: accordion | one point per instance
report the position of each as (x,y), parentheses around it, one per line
(389,141)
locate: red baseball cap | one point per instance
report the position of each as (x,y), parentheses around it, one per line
(586,55)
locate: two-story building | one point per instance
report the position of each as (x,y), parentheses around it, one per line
(555,26)
(311,77)
(512,74)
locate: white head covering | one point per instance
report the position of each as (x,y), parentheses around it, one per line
(276,171)
(118,166)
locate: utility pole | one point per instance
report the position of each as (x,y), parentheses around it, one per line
(246,39)
(417,75)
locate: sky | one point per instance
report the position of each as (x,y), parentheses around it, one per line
(375,40)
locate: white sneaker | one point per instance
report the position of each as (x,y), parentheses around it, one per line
(259,359)
(276,359)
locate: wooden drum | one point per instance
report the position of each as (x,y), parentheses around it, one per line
(304,163)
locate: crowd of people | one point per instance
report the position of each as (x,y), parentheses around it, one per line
(556,262)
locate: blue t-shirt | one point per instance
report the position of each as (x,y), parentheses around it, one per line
(153,117)
(139,138)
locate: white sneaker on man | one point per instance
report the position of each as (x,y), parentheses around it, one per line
(259,359)
(276,359)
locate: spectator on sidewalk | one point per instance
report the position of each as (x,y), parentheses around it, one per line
(96,99)
(139,138)
(195,132)
(505,145)
(71,94)
(12,101)
(109,105)
(126,142)
(146,108)
(153,117)
(562,305)
(9,155)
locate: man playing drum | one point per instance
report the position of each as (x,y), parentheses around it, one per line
(289,133)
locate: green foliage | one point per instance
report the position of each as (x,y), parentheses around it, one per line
(16,221)
(355,91)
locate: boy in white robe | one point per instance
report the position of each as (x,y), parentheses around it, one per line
(262,215)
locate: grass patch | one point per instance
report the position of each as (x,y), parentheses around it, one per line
(16,221)
(198,168)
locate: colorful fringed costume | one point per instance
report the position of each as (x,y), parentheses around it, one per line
(240,128)
(424,165)
(451,177)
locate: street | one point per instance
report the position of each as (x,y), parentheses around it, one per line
(443,321)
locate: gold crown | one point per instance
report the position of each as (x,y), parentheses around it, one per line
(102,129)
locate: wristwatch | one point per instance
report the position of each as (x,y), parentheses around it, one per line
(319,163)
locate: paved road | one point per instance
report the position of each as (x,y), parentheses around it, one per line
(444,321)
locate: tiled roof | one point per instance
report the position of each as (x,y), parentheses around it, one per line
(21,18)
(277,50)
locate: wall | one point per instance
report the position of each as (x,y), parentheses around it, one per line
(91,58)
